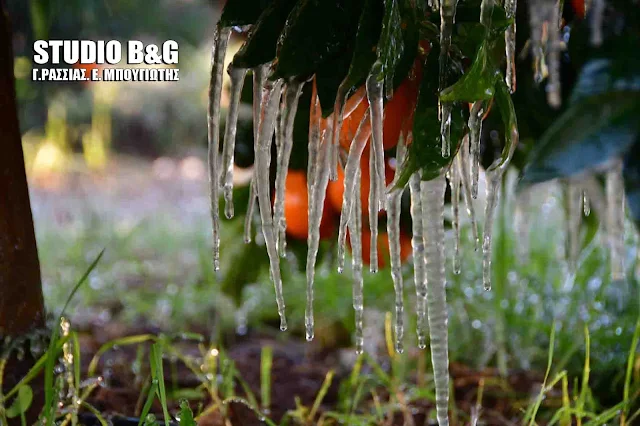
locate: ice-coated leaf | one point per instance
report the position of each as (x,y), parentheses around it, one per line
(425,153)
(587,135)
(477,84)
(315,31)
(367,36)
(236,12)
(261,44)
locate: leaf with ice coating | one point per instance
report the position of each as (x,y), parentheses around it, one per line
(425,153)
(315,31)
(236,12)
(261,44)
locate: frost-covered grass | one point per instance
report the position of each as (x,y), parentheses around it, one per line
(157,270)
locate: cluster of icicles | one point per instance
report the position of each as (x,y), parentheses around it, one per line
(274,109)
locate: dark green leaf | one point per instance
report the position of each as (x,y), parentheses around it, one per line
(586,135)
(509,119)
(410,40)
(329,76)
(238,13)
(261,44)
(478,83)
(364,52)
(315,31)
(631,174)
(425,153)
(391,44)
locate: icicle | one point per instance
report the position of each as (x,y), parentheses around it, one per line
(573,221)
(352,167)
(596,18)
(237,82)
(315,116)
(537,16)
(393,231)
(615,220)
(462,163)
(288,115)
(494,176)
(434,4)
(510,44)
(553,54)
(221,40)
(355,236)
(432,194)
(373,215)
(317,196)
(475,130)
(522,225)
(259,79)
(454,182)
(417,244)
(585,204)
(263,158)
(447,19)
(375,93)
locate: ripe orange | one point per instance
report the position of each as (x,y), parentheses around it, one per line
(296,208)
(335,190)
(383,248)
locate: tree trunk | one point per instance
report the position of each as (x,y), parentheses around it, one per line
(21,301)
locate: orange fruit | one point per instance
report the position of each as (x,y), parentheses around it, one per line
(296,208)
(383,248)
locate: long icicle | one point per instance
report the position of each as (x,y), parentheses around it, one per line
(432,193)
(417,244)
(237,76)
(462,164)
(475,130)
(553,53)
(219,50)
(615,220)
(393,231)
(454,182)
(263,158)
(290,107)
(447,19)
(375,94)
(355,236)
(343,108)
(316,196)
(573,220)
(350,170)
(315,116)
(494,175)
(510,7)
(537,12)
(259,79)
(373,215)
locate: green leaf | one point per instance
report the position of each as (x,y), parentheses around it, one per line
(425,153)
(391,44)
(261,43)
(509,119)
(367,36)
(631,174)
(237,13)
(186,415)
(21,403)
(315,31)
(331,73)
(478,83)
(585,136)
